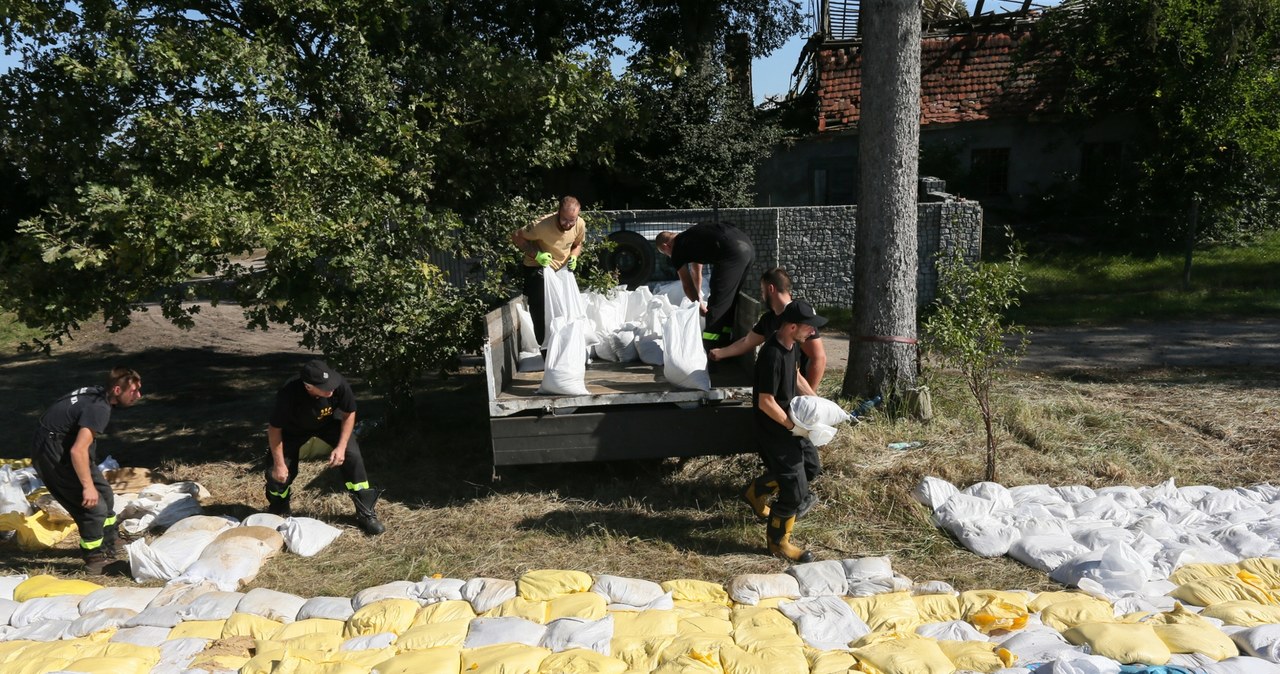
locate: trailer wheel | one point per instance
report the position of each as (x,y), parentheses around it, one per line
(632,257)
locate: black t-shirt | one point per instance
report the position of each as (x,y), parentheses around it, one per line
(297,411)
(770,322)
(775,374)
(82,408)
(706,243)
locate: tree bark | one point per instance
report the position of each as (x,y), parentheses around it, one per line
(882,349)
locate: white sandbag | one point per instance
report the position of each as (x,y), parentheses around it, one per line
(821,434)
(867,568)
(307,536)
(817,579)
(1076,493)
(1038,644)
(7,607)
(637,303)
(684,362)
(629,591)
(994,492)
(165,609)
(396,589)
(750,588)
(959,509)
(98,621)
(1034,493)
(810,410)
(268,520)
(562,300)
(234,557)
(1262,641)
(488,631)
(952,630)
(486,593)
(1046,553)
(368,642)
(180,652)
(568,633)
(933,492)
(327,608)
(12,498)
(135,599)
(7,583)
(45,630)
(566,366)
(1103,507)
(63,607)
(984,535)
(528,336)
(1117,568)
(825,623)
(167,556)
(1241,664)
(619,346)
(649,349)
(664,603)
(270,604)
(933,587)
(607,312)
(434,590)
(1125,495)
(160,506)
(1237,539)
(144,635)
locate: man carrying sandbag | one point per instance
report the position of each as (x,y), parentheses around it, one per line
(776,383)
(318,403)
(555,241)
(65,458)
(730,251)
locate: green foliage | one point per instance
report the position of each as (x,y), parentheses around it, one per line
(1200,80)
(968,330)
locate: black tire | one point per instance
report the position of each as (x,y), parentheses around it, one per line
(632,257)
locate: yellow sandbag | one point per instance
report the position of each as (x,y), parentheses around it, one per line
(249,625)
(696,591)
(1064,615)
(644,624)
(37,531)
(199,629)
(581,661)
(640,653)
(752,616)
(585,605)
(438,660)
(519,607)
(294,664)
(34,666)
(828,662)
(992,610)
(503,659)
(1266,568)
(888,612)
(384,615)
(691,663)
(365,659)
(1209,591)
(443,612)
(756,639)
(911,655)
(767,602)
(547,584)
(216,662)
(36,587)
(15,463)
(1124,643)
(310,626)
(1243,613)
(1046,599)
(978,656)
(702,608)
(317,641)
(1203,639)
(1190,572)
(314,449)
(13,649)
(937,608)
(700,624)
(128,479)
(433,635)
(1178,616)
(704,645)
(735,660)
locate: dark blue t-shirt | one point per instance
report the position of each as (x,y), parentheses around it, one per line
(82,408)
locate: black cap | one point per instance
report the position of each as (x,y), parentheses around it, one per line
(799,311)
(320,375)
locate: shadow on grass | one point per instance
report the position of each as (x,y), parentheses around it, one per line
(703,536)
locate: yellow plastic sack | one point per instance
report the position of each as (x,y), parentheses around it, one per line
(756,639)
(1190,572)
(443,612)
(37,531)
(320,642)
(1209,591)
(384,615)
(36,587)
(978,656)
(1064,615)
(911,655)
(1266,568)
(644,624)
(503,659)
(1178,616)
(36,666)
(365,659)
(888,612)
(752,616)
(249,625)
(585,605)
(703,608)
(198,629)
(691,663)
(696,591)
(13,649)
(1243,613)
(434,635)
(937,608)
(828,662)
(705,625)
(1046,599)
(581,661)
(547,584)
(314,450)
(310,626)
(519,607)
(438,660)
(992,610)
(1203,639)
(640,653)
(1124,643)
(735,660)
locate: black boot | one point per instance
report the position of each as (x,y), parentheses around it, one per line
(96,561)
(366,517)
(278,502)
(810,500)
(111,543)
(758,494)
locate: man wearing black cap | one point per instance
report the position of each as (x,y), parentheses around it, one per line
(318,403)
(784,454)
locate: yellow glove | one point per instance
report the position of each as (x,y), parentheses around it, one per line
(543,259)
(573,264)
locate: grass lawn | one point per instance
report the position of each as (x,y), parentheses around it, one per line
(13,334)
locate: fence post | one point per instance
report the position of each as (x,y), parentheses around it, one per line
(1192,219)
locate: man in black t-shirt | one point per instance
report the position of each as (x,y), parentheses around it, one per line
(64,454)
(784,454)
(318,403)
(729,250)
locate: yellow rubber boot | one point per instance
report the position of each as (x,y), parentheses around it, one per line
(779,536)
(758,494)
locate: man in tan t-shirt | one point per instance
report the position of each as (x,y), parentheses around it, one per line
(551,241)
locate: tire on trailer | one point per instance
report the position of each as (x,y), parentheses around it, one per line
(632,257)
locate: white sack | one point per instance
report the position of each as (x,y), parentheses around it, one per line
(98,621)
(629,591)
(1076,493)
(528,336)
(31,611)
(160,506)
(562,300)
(1039,644)
(180,652)
(486,593)
(984,535)
(327,608)
(568,633)
(1262,641)
(145,635)
(867,568)
(1117,568)
(664,603)
(566,369)
(7,583)
(649,349)
(12,498)
(368,642)
(489,631)
(7,607)
(685,363)
(270,604)
(933,492)
(933,587)
(135,599)
(817,579)
(234,557)
(810,410)
(267,520)
(995,492)
(825,623)
(1242,665)
(212,606)
(952,630)
(45,630)
(396,589)
(1045,553)
(750,588)
(434,590)
(307,536)
(163,611)
(167,556)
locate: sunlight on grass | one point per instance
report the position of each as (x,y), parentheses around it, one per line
(13,333)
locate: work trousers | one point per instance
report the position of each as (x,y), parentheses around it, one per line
(794,461)
(535,297)
(352,467)
(727,277)
(64,486)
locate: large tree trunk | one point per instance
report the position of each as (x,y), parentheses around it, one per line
(882,347)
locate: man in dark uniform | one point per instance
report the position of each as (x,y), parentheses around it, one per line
(318,403)
(65,458)
(784,454)
(726,247)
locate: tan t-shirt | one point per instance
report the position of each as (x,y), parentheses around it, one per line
(546,232)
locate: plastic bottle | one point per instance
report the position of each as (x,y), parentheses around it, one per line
(867,405)
(903,445)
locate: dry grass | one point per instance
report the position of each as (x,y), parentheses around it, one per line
(673,519)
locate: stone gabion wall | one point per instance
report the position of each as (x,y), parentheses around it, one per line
(815,243)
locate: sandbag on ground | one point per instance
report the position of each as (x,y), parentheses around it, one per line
(234,557)
(168,555)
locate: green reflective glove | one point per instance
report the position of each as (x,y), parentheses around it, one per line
(543,259)
(573,264)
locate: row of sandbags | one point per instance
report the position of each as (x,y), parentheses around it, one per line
(1113,539)
(568,621)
